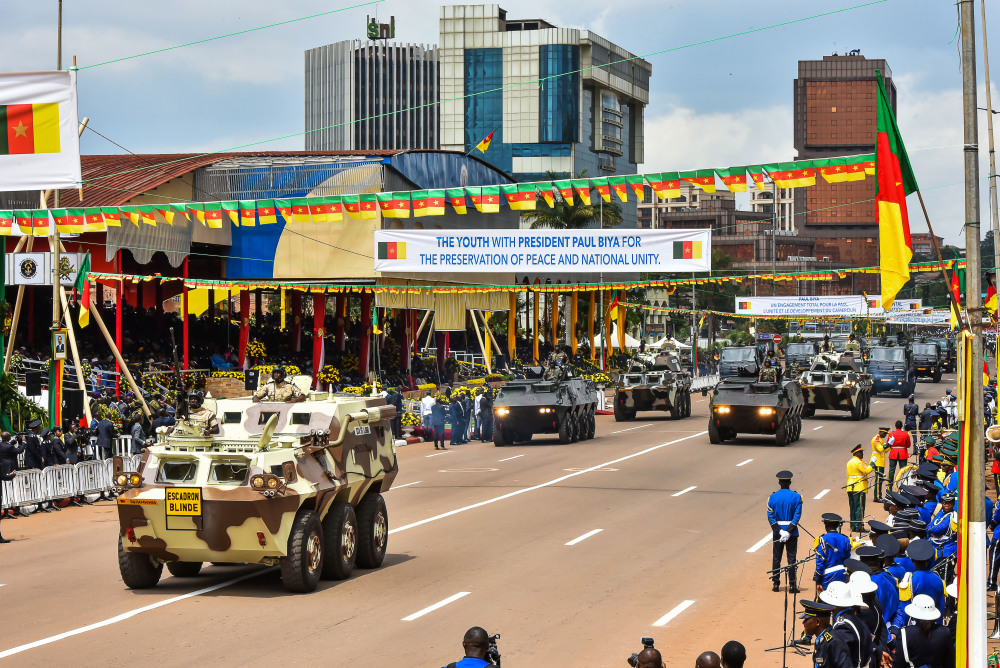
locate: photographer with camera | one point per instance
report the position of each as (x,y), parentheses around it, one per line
(480,649)
(649,657)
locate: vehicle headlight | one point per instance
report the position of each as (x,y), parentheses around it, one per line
(272,483)
(134,479)
(257,482)
(722,409)
(503,411)
(766,411)
(121,480)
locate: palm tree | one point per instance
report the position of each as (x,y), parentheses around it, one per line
(564,216)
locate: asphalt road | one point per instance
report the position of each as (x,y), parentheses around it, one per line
(571,552)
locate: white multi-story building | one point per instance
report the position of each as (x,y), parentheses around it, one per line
(763,201)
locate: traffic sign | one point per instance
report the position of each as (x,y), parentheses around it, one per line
(776,338)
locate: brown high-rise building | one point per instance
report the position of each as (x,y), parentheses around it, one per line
(836,101)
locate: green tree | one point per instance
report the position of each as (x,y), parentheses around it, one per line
(565,216)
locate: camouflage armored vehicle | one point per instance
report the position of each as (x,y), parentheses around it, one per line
(927,361)
(531,405)
(292,484)
(733,359)
(835,382)
(743,405)
(665,386)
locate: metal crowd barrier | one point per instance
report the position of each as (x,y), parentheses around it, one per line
(34,486)
(700,383)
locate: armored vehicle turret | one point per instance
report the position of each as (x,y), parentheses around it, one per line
(564,405)
(744,405)
(292,484)
(664,386)
(836,382)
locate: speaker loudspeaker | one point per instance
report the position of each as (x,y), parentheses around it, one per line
(33,383)
(73,404)
(250,379)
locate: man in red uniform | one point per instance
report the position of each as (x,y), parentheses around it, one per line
(898,443)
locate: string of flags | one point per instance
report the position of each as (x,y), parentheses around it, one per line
(420,203)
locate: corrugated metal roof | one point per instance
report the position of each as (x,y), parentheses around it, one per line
(112,180)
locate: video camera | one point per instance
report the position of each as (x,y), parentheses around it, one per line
(647,643)
(492,653)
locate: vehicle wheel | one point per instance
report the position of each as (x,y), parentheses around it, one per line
(502,437)
(623,414)
(856,411)
(714,436)
(139,571)
(677,407)
(591,425)
(301,569)
(340,542)
(781,435)
(808,411)
(868,405)
(687,404)
(184,569)
(373,531)
(565,429)
(937,375)
(574,428)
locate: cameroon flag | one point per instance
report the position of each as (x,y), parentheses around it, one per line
(565,189)
(792,175)
(266,212)
(547,194)
(757,175)
(316,210)
(213,215)
(735,178)
(434,203)
(82,287)
(456,197)
(6,222)
(394,205)
(666,185)
(196,208)
(391,250)
(334,207)
(76,221)
(111,218)
(29,128)
(602,187)
(486,199)
(300,210)
(521,197)
(687,250)
(232,210)
(360,207)
(703,178)
(582,187)
(894,178)
(638,186)
(40,222)
(284,207)
(248,213)
(620,186)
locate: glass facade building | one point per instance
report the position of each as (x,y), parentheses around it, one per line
(543,89)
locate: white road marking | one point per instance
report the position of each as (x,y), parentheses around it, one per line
(128,615)
(471,469)
(877,401)
(132,613)
(817,428)
(584,537)
(507,459)
(745,463)
(580,470)
(439,453)
(821,495)
(761,543)
(406,485)
(432,608)
(631,428)
(665,619)
(685,491)
(554,481)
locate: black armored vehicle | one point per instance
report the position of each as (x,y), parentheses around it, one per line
(744,405)
(533,405)
(732,360)
(891,368)
(664,386)
(927,361)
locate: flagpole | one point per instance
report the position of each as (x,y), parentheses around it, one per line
(975,456)
(993,171)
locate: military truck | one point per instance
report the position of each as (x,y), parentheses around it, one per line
(836,382)
(798,357)
(532,405)
(949,353)
(664,386)
(297,485)
(891,369)
(927,360)
(743,405)
(732,360)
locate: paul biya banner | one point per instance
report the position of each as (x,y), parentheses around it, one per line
(846,305)
(607,251)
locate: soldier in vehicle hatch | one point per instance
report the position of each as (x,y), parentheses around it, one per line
(768,374)
(279,389)
(200,417)
(554,372)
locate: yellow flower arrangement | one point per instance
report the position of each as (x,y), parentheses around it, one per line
(410,419)
(256,348)
(427,386)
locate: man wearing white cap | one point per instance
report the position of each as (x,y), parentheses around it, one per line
(927,643)
(847,624)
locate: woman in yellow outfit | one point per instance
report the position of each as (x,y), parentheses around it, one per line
(878,461)
(858,471)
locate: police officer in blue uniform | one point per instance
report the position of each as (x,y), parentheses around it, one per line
(784,510)
(888,586)
(829,651)
(921,581)
(832,549)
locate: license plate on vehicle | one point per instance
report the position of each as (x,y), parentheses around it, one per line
(183,501)
(885,380)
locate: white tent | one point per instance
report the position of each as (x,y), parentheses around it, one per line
(668,341)
(629,341)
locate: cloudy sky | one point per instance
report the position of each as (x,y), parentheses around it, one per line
(726,101)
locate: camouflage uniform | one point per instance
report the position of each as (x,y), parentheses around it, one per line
(283,391)
(203,418)
(559,358)
(768,375)
(553,373)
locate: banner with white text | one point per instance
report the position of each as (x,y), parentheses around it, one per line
(855,306)
(597,251)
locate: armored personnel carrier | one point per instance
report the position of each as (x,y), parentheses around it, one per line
(836,382)
(744,405)
(532,405)
(665,386)
(292,484)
